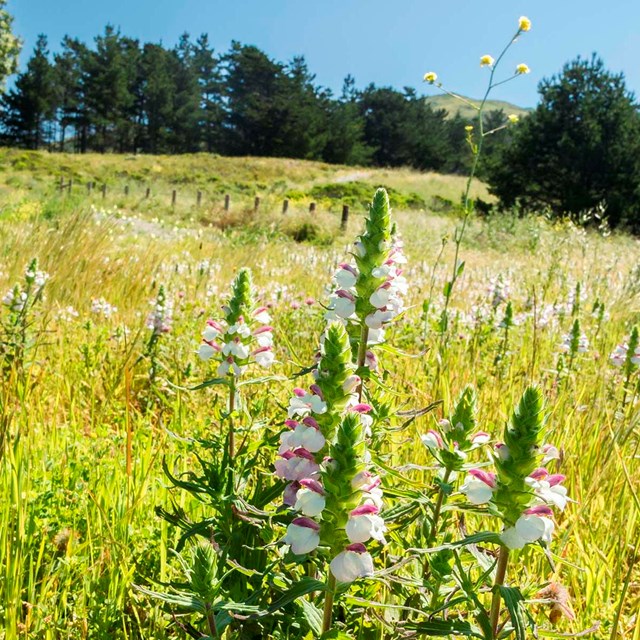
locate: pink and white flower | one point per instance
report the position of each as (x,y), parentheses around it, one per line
(479,486)
(364,523)
(303,535)
(352,563)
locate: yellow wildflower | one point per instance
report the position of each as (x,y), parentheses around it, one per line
(522,68)
(513,118)
(524,24)
(430,77)
(486,61)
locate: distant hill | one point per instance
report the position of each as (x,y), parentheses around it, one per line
(454,106)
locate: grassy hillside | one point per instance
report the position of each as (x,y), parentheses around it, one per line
(25,174)
(454,106)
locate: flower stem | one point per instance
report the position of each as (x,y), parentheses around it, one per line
(328,604)
(362,355)
(501,570)
(232,406)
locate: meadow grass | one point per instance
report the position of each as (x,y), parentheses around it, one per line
(81,469)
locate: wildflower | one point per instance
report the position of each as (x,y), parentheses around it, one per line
(430,77)
(479,486)
(352,563)
(513,118)
(534,524)
(524,24)
(522,68)
(236,340)
(469,128)
(432,440)
(364,523)
(302,535)
(160,319)
(310,498)
(486,61)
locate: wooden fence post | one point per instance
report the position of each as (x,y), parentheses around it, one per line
(199,198)
(285,207)
(312,207)
(69,186)
(89,187)
(345,217)
(104,190)
(256,204)
(227,202)
(126,189)
(173,198)
(61,186)
(147,193)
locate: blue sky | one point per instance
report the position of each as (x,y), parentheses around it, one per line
(386,42)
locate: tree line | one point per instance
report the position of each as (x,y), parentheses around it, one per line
(121,95)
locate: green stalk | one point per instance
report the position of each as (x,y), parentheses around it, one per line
(327,615)
(501,571)
(232,405)
(362,355)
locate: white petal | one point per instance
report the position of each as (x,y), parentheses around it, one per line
(309,502)
(205,352)
(302,539)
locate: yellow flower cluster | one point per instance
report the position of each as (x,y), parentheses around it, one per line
(430,77)
(513,118)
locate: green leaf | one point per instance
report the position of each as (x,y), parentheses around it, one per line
(261,380)
(443,628)
(312,615)
(446,292)
(210,383)
(182,600)
(460,269)
(334,634)
(300,588)
(514,601)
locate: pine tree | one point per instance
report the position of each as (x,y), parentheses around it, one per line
(29,107)
(211,104)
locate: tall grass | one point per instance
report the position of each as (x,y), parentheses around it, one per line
(81,471)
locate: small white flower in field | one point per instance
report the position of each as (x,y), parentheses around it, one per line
(67,314)
(296,465)
(619,355)
(264,336)
(261,315)
(486,61)
(379,318)
(479,486)
(207,350)
(236,348)
(352,563)
(524,24)
(229,366)
(302,535)
(351,384)
(522,68)
(549,453)
(480,438)
(432,440)
(583,343)
(534,524)
(101,307)
(548,487)
(310,499)
(212,331)
(345,277)
(513,118)
(499,290)
(240,328)
(304,403)
(364,523)
(306,435)
(430,77)
(264,356)
(342,304)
